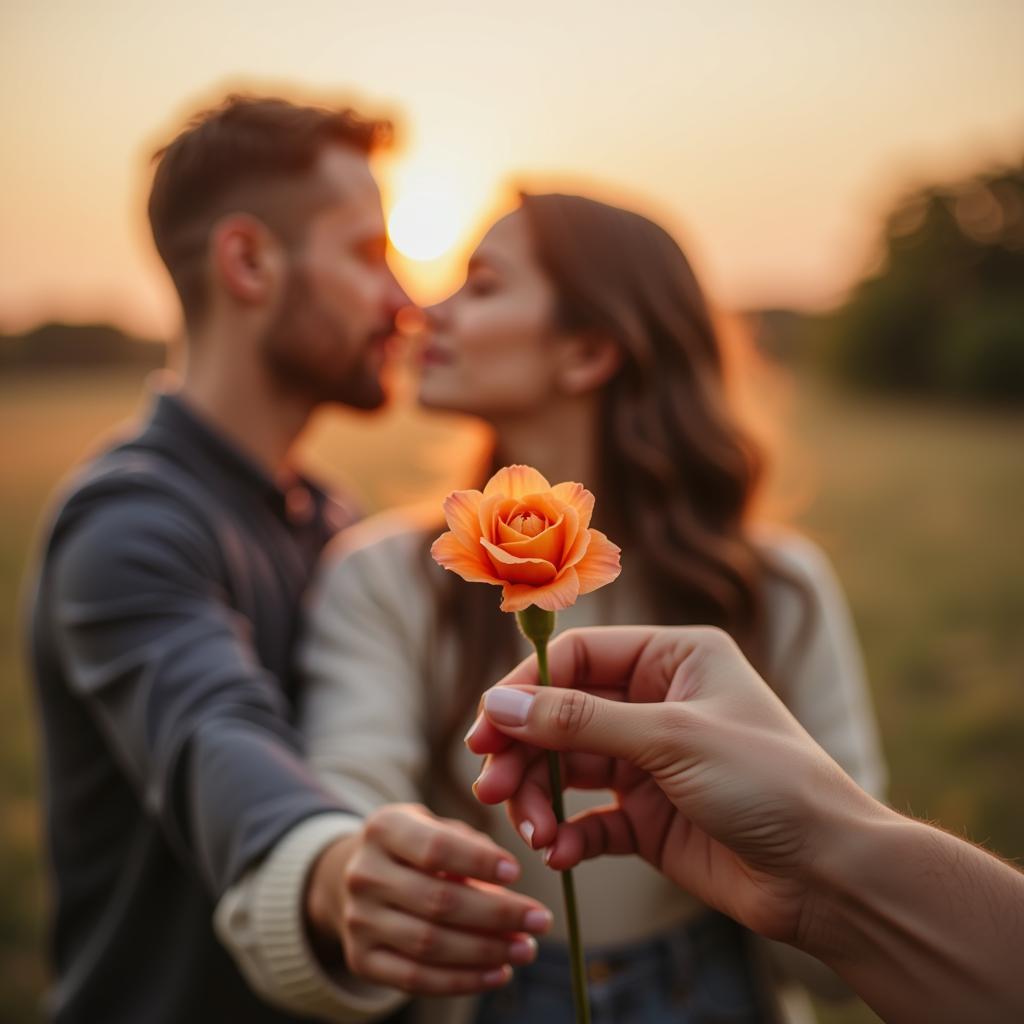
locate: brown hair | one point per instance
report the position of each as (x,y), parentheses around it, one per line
(678,475)
(241,156)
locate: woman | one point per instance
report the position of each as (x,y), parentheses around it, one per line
(581,336)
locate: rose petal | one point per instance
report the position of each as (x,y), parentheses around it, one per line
(534,571)
(461,509)
(540,504)
(600,564)
(549,545)
(449,552)
(579,497)
(492,509)
(572,531)
(579,547)
(559,594)
(515,481)
(507,534)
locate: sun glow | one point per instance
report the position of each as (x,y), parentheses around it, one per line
(426,219)
(436,210)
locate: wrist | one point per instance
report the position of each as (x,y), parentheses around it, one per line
(857,842)
(324,897)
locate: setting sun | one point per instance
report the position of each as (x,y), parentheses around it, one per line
(425,221)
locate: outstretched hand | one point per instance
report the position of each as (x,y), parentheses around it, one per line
(716,784)
(420,903)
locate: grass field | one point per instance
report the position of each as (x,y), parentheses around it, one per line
(921,510)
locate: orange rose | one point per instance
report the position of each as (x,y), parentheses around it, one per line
(529,538)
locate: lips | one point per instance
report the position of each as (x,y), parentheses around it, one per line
(434,355)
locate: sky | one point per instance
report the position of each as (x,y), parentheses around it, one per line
(769,137)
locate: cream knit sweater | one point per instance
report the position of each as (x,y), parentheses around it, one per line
(365,712)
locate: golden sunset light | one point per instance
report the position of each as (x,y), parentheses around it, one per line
(745,310)
(437,209)
(425,221)
(764,134)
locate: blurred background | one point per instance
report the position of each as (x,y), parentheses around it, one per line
(849,180)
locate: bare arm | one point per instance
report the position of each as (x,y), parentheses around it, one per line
(924,926)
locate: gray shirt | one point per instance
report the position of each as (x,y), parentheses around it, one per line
(165,612)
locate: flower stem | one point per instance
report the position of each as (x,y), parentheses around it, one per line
(537,626)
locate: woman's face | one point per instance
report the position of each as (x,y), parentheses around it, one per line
(489,351)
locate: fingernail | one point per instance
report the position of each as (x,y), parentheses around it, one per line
(507,706)
(506,871)
(472,729)
(537,920)
(547,854)
(496,977)
(526,830)
(523,950)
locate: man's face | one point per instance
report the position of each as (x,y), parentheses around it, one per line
(330,335)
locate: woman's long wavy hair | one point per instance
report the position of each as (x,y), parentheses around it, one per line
(677,473)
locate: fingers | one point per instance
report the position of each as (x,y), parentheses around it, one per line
(475,906)
(502,773)
(520,775)
(435,845)
(606,830)
(595,658)
(386,967)
(561,719)
(532,815)
(417,915)
(433,944)
(484,738)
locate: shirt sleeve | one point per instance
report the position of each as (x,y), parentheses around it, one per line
(151,645)
(260,921)
(817,665)
(361,713)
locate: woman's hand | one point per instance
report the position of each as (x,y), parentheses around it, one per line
(419,904)
(717,785)
(720,788)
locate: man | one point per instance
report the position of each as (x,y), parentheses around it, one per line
(719,787)
(167,599)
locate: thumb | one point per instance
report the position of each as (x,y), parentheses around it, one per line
(556,718)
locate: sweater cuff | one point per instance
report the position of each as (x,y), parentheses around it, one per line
(261,920)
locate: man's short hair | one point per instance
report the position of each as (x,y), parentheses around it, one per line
(249,154)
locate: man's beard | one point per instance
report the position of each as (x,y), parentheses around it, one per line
(311,355)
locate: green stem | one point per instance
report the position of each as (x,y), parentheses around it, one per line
(537,626)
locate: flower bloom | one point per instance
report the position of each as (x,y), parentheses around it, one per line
(529,538)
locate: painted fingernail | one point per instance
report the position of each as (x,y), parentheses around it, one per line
(526,830)
(506,871)
(472,729)
(507,706)
(496,977)
(537,920)
(523,950)
(547,854)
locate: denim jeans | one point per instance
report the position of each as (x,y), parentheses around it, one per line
(699,974)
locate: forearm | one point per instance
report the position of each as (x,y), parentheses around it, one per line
(922,925)
(167,670)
